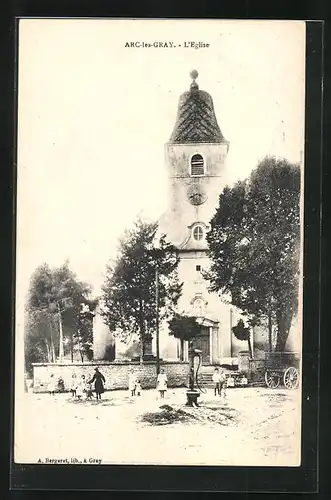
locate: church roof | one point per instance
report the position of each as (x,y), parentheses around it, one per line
(196,119)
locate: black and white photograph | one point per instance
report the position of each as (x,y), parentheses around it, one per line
(159,246)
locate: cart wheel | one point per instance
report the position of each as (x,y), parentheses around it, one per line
(272,379)
(291,378)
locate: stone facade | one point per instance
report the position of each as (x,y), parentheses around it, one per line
(196,177)
(182,186)
(116,374)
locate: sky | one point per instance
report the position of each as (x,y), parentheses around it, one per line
(94,116)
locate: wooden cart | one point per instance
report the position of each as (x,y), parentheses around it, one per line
(282,367)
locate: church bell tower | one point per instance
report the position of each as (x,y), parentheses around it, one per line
(195,160)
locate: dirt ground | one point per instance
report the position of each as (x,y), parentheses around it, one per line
(257,426)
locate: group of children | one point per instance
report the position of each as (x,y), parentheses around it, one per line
(219,379)
(83,388)
(135,386)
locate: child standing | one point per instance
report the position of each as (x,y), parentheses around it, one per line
(73,385)
(132,382)
(80,388)
(51,385)
(216,379)
(89,392)
(162,383)
(138,388)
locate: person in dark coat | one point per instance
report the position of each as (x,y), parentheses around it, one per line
(99,381)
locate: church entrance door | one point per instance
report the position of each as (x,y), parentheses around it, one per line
(202,342)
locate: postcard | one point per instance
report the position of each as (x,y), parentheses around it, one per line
(160,168)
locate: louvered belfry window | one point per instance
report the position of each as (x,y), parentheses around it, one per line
(197,165)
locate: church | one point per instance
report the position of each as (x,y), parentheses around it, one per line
(195,161)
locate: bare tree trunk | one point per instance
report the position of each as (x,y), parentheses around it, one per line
(51,346)
(48,352)
(52,350)
(61,353)
(231,332)
(250,348)
(270,330)
(72,346)
(284,321)
(142,331)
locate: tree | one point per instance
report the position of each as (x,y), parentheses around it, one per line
(83,334)
(254,245)
(41,334)
(183,327)
(38,346)
(129,291)
(243,333)
(54,301)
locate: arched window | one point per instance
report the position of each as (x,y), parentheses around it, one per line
(197,165)
(198,307)
(198,233)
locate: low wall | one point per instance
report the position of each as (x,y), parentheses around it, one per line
(257,372)
(254,369)
(115,373)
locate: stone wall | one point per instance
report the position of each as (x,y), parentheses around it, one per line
(257,374)
(254,369)
(116,373)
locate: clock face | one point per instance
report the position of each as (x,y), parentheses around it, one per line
(196,195)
